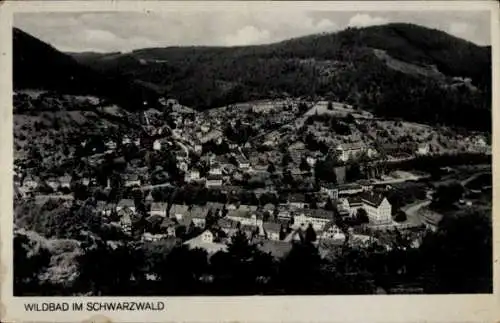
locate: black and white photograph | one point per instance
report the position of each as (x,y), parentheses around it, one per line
(252,153)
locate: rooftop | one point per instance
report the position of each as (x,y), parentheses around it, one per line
(271,226)
(372,198)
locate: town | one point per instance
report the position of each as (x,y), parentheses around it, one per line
(278,171)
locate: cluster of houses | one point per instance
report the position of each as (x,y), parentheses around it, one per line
(269,222)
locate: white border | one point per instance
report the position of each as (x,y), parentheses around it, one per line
(453,308)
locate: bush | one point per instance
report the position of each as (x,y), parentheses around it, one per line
(400,216)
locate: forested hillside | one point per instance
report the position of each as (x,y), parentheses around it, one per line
(37,65)
(395,70)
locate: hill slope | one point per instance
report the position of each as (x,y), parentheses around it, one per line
(395,70)
(37,65)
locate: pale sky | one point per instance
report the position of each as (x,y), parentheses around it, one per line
(125,31)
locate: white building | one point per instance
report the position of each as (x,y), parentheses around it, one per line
(215,170)
(332,232)
(30,183)
(245,217)
(331,190)
(126,140)
(350,205)
(194,175)
(213,180)
(243,163)
(423,149)
(350,151)
(157,145)
(318,219)
(198,148)
(206,241)
(377,207)
(311,161)
(159,209)
(297,200)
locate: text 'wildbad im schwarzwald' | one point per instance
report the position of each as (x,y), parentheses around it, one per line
(94,306)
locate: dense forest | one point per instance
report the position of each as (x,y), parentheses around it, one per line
(39,66)
(395,70)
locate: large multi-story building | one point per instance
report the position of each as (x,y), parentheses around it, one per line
(377,208)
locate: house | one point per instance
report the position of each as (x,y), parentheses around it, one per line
(350,151)
(331,190)
(297,200)
(318,218)
(480,142)
(192,175)
(271,230)
(178,211)
(132,180)
(366,185)
(251,231)
(29,183)
(215,207)
(213,180)
(242,163)
(371,152)
(125,203)
(149,198)
(215,169)
(245,217)
(149,237)
(206,242)
(332,232)
(53,183)
(105,208)
(284,214)
(198,148)
(350,189)
(158,209)
(350,205)
(157,145)
(168,226)
(85,181)
(311,161)
(377,208)
(65,181)
(205,128)
(198,216)
(423,149)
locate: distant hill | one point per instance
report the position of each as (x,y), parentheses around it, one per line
(37,65)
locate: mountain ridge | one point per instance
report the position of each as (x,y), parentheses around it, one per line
(341,66)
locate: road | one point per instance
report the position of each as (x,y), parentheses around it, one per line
(412,210)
